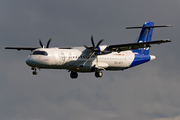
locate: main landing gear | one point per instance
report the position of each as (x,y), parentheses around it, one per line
(98,74)
(73,74)
(35,71)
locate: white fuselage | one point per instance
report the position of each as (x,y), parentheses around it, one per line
(71,59)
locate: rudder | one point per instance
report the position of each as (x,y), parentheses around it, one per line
(145,36)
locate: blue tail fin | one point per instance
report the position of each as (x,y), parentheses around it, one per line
(145,36)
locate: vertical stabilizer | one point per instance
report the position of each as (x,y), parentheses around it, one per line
(145,36)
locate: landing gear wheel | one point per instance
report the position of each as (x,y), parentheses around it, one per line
(34,72)
(73,75)
(98,74)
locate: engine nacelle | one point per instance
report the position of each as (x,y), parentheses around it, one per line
(103,50)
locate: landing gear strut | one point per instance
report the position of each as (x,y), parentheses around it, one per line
(73,75)
(35,71)
(98,74)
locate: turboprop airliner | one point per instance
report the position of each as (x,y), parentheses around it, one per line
(95,58)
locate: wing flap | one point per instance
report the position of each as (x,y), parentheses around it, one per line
(132,46)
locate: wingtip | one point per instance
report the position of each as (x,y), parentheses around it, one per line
(168,40)
(169,26)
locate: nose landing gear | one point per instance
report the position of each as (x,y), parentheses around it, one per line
(35,71)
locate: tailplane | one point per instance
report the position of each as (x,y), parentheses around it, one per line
(145,36)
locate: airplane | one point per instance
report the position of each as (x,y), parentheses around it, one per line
(95,58)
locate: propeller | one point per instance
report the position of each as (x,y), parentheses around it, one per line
(94,48)
(47,46)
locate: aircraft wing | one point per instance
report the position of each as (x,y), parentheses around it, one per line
(21,48)
(132,46)
(29,48)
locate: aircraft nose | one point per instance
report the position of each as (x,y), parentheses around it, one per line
(29,61)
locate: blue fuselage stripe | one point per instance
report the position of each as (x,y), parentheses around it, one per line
(139,59)
(99,50)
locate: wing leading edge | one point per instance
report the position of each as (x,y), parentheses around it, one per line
(132,46)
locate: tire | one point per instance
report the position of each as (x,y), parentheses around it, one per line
(34,73)
(98,74)
(73,74)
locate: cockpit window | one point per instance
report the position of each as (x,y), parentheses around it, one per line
(40,53)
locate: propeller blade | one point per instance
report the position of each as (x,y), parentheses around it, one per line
(86,47)
(92,41)
(48,43)
(94,49)
(40,43)
(99,43)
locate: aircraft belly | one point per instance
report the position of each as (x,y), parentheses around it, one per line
(74,66)
(87,67)
(114,68)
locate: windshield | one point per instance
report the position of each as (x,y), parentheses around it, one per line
(40,53)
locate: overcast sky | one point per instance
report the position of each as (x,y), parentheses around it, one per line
(147,92)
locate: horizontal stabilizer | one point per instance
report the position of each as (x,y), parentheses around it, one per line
(158,26)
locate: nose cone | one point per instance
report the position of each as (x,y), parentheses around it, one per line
(29,61)
(152,57)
